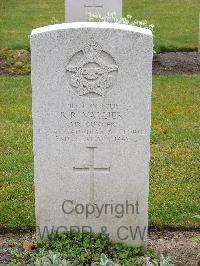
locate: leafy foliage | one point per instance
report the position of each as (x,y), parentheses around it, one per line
(113,18)
(86,248)
(52,260)
(106,262)
(164,261)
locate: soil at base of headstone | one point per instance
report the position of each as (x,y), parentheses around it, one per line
(17,62)
(178,245)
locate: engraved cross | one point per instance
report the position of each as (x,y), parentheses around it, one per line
(91,169)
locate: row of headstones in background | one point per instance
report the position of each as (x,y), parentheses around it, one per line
(78,10)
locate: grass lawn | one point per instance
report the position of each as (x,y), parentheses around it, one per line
(175,147)
(176,21)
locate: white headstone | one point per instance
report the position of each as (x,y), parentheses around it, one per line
(91,119)
(78,10)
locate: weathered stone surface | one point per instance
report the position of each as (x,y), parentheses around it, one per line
(91,120)
(77,10)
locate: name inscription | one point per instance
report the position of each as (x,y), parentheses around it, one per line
(97,123)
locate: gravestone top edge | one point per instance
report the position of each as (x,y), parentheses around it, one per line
(98,25)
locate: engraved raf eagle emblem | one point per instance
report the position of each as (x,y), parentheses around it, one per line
(92,71)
